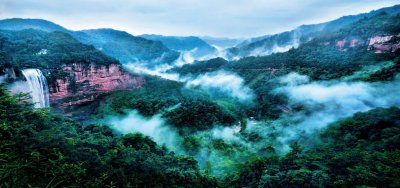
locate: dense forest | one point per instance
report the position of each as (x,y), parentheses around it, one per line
(43,149)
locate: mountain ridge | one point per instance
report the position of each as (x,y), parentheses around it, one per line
(134,49)
(268,44)
(184,43)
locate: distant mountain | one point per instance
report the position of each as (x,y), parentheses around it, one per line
(366,42)
(266,45)
(222,42)
(118,44)
(32,48)
(198,46)
(38,24)
(126,47)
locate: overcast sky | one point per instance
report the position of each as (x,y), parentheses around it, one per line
(228,18)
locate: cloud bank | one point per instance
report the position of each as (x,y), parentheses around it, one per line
(323,102)
(223,81)
(328,101)
(154,127)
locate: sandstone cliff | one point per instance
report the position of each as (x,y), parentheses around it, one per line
(382,44)
(84,83)
(378,44)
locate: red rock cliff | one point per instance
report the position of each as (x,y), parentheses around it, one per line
(86,82)
(378,44)
(381,44)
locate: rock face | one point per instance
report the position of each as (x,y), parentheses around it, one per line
(344,44)
(86,82)
(382,44)
(378,44)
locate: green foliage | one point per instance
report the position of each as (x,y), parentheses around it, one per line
(199,114)
(361,151)
(201,66)
(40,149)
(191,144)
(31,48)
(381,24)
(181,107)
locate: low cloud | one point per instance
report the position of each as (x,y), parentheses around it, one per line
(154,127)
(159,70)
(325,102)
(215,83)
(157,128)
(223,81)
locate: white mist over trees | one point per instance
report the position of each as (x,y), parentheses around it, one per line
(323,103)
(222,81)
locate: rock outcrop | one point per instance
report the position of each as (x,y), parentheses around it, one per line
(345,44)
(383,44)
(85,83)
(378,44)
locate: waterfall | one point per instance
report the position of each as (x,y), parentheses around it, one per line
(38,87)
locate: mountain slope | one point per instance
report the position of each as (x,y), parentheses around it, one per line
(38,49)
(38,24)
(281,42)
(200,47)
(366,50)
(76,73)
(222,42)
(126,47)
(118,44)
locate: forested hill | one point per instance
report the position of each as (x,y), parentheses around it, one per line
(37,49)
(190,43)
(280,42)
(361,151)
(327,56)
(335,55)
(126,47)
(118,44)
(15,24)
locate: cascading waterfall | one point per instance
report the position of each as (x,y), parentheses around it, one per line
(38,87)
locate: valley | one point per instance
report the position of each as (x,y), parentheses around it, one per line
(316,106)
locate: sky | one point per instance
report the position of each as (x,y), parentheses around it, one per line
(218,18)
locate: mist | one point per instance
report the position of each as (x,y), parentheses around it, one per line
(15,86)
(160,70)
(154,127)
(277,48)
(223,81)
(214,83)
(325,102)
(167,135)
